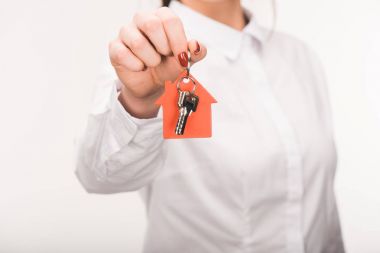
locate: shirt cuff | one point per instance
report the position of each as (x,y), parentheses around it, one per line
(127,127)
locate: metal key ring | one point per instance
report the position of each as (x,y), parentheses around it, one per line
(188,78)
(188,63)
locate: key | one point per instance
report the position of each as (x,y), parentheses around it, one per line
(187,103)
(183,110)
(181,98)
(182,119)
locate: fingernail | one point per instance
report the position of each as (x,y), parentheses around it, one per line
(183,59)
(198,49)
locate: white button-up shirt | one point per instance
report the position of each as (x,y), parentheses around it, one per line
(264,182)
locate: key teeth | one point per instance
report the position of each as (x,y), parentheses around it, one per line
(187,103)
(179,130)
(182,98)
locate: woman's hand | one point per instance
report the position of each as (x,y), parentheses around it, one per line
(151,49)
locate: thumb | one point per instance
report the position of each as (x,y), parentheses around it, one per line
(197,51)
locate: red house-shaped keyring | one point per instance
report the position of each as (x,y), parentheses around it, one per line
(198,123)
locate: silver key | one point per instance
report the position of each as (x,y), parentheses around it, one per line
(181,97)
(187,103)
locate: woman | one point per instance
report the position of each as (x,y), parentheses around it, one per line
(264,181)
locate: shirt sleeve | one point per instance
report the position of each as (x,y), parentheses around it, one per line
(335,241)
(118,152)
(322,90)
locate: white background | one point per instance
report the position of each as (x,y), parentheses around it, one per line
(50,54)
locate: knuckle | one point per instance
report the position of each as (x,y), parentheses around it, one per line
(137,16)
(151,25)
(171,20)
(116,57)
(164,50)
(137,66)
(152,62)
(156,61)
(124,31)
(111,49)
(117,54)
(137,43)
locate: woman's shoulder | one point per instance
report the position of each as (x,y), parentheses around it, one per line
(291,48)
(290,53)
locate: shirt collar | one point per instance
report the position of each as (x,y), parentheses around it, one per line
(216,34)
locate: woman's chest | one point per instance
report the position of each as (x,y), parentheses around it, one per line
(257,123)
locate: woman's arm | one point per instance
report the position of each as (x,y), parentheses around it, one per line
(122,147)
(118,152)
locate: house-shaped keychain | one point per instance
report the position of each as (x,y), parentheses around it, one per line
(198,124)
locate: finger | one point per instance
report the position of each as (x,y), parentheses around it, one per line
(175,33)
(197,51)
(121,56)
(139,45)
(153,28)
